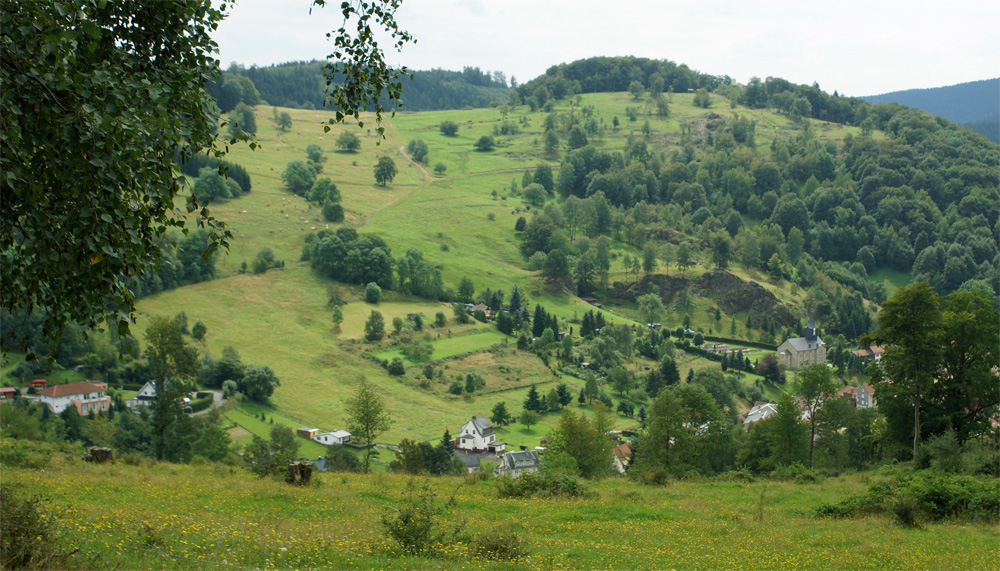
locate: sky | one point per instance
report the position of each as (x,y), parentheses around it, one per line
(855,47)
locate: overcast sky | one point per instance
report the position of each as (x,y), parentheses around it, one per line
(857,47)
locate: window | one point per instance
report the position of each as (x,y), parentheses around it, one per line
(83,407)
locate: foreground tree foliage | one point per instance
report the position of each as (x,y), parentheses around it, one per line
(98,98)
(96,102)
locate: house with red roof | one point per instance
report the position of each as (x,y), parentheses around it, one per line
(87,397)
(623,453)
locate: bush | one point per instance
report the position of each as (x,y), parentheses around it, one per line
(923,495)
(797,473)
(496,546)
(543,485)
(26,534)
(373,293)
(416,525)
(396,367)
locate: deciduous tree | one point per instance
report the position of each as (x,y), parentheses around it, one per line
(385,170)
(367,416)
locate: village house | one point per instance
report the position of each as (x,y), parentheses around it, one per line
(307,433)
(145,396)
(869,354)
(859,397)
(513,464)
(478,436)
(760,411)
(8,393)
(86,397)
(803,351)
(480,307)
(865,397)
(335,437)
(622,453)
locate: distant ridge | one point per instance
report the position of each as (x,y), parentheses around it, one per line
(975,104)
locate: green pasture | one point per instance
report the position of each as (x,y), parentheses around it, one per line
(451,345)
(891,279)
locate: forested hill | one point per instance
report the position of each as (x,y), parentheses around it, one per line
(975,104)
(301,85)
(906,192)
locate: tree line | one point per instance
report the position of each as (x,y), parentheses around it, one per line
(301,85)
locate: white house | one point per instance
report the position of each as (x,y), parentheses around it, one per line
(145,396)
(87,397)
(760,411)
(335,437)
(513,464)
(478,436)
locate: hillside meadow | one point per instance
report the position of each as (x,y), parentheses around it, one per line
(462,220)
(157,516)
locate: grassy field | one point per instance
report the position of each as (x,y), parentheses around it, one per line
(211,516)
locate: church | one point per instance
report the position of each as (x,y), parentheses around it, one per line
(801,352)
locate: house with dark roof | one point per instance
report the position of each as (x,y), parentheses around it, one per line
(86,397)
(479,436)
(513,464)
(801,352)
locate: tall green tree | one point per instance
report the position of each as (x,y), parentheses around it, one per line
(367,416)
(910,328)
(787,433)
(968,392)
(172,363)
(815,386)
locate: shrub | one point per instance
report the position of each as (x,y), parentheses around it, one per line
(496,546)
(26,533)
(373,293)
(396,367)
(544,485)
(416,526)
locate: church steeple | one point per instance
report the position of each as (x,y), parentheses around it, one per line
(810,332)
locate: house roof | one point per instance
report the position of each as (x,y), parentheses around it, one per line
(520,460)
(760,411)
(804,344)
(8,390)
(73,389)
(470,460)
(623,452)
(482,424)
